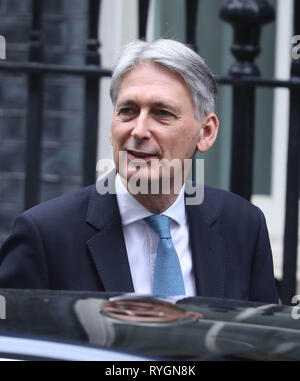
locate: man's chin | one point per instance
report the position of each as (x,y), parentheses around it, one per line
(139,183)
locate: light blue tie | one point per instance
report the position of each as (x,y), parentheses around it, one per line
(168,278)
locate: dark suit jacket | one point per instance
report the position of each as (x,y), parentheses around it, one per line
(75,242)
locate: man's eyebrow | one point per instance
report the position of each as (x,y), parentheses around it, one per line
(166,105)
(126,102)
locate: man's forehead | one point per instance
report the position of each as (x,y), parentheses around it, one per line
(151,70)
(155,77)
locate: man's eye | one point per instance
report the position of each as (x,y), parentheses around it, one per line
(164,113)
(126,111)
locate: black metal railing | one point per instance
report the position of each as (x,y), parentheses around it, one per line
(246,22)
(36,70)
(289,280)
(247,18)
(34,125)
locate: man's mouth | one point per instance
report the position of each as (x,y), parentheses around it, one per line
(140,155)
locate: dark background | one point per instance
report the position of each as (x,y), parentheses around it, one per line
(65,31)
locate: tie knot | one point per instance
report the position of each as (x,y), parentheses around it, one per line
(160,224)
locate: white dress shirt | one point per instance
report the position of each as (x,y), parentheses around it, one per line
(142,242)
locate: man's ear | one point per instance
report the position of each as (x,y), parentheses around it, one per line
(110,138)
(208,132)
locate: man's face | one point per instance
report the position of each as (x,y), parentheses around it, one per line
(153,119)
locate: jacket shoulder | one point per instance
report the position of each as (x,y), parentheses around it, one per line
(66,205)
(227,203)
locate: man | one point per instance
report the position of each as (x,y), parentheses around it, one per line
(134,238)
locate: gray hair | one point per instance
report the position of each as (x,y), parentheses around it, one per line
(176,57)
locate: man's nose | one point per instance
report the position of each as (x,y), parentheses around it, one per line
(141,126)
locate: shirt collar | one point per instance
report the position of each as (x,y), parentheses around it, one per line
(131,210)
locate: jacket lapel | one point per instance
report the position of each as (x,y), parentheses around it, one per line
(107,246)
(108,250)
(208,249)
